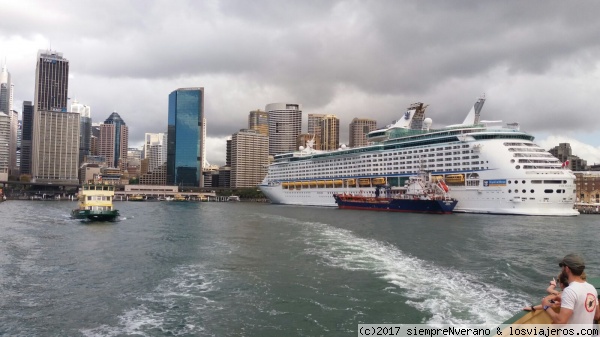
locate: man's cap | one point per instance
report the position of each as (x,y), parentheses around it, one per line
(573,261)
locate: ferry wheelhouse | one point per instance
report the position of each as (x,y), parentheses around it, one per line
(490,167)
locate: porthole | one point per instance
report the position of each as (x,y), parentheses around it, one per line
(509,191)
(523,181)
(510,182)
(532,191)
(516,181)
(512,161)
(524,191)
(518,167)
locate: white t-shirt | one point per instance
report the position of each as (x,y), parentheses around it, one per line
(581,297)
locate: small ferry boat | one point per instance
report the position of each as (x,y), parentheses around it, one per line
(233,198)
(95,202)
(420,196)
(179,197)
(136,197)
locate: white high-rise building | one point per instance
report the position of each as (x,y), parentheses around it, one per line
(205,163)
(155,149)
(285,124)
(4,145)
(6,106)
(14,129)
(6,91)
(85,129)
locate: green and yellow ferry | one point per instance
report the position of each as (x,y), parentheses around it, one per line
(95,201)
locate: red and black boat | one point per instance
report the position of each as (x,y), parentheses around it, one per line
(420,196)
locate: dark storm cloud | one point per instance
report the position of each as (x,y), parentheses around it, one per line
(535,60)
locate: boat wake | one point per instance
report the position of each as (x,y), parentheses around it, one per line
(446,295)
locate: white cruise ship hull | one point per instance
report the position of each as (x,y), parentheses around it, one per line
(469,200)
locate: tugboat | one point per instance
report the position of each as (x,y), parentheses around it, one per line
(95,201)
(422,195)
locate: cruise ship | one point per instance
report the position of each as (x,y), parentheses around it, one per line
(489,167)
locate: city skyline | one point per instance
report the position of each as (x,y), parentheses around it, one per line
(537,67)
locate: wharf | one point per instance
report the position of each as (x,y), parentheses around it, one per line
(584,208)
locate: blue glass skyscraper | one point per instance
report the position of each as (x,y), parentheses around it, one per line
(184,137)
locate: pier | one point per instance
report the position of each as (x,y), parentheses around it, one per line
(585,208)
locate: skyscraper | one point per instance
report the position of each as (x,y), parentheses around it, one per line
(114,141)
(155,149)
(95,139)
(205,163)
(6,106)
(228,152)
(4,148)
(184,148)
(259,120)
(330,132)
(55,148)
(315,122)
(26,137)
(6,91)
(14,129)
(19,139)
(249,158)
(85,129)
(285,124)
(359,128)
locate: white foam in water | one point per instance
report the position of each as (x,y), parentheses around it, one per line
(449,296)
(188,285)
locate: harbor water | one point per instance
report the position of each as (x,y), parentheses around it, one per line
(252,269)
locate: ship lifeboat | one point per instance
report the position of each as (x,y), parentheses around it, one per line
(298,184)
(328,183)
(338,183)
(305,184)
(362,182)
(378,181)
(436,178)
(321,183)
(455,178)
(351,182)
(285,186)
(443,185)
(312,184)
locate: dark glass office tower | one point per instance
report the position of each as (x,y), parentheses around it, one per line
(184,137)
(26,137)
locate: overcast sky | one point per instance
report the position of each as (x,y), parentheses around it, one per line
(537,62)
